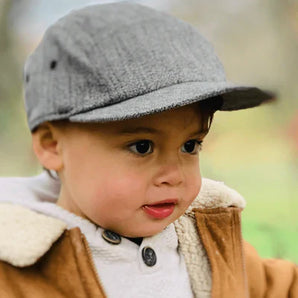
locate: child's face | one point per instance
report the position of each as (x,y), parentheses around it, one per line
(113,173)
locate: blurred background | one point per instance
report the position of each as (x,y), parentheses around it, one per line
(254,151)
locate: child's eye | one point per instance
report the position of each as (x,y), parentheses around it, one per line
(192,146)
(142,147)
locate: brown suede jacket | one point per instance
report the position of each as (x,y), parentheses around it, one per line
(64,266)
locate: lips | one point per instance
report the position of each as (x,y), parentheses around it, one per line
(160,209)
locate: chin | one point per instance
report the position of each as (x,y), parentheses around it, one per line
(144,232)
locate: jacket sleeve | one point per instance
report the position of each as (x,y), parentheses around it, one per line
(272,278)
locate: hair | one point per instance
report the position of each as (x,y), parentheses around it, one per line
(207,108)
(50,173)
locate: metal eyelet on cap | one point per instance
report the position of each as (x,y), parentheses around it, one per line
(53,64)
(149,256)
(111,237)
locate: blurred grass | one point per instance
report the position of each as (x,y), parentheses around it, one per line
(250,152)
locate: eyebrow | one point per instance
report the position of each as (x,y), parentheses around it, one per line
(141,129)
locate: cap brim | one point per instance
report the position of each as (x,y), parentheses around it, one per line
(234,98)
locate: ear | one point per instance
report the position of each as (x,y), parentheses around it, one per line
(46,146)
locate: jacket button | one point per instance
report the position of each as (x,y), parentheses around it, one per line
(149,256)
(111,237)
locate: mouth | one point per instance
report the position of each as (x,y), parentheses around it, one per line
(162,209)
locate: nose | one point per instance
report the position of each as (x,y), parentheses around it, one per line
(169,173)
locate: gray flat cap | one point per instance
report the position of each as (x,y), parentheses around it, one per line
(124,60)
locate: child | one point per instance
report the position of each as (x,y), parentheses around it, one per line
(119,98)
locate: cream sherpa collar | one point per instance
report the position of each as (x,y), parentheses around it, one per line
(213,194)
(23,240)
(22,234)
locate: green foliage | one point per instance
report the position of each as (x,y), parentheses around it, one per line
(251,152)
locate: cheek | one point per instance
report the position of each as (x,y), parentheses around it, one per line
(114,199)
(121,189)
(194,185)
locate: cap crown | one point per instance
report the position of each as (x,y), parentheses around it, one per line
(105,54)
